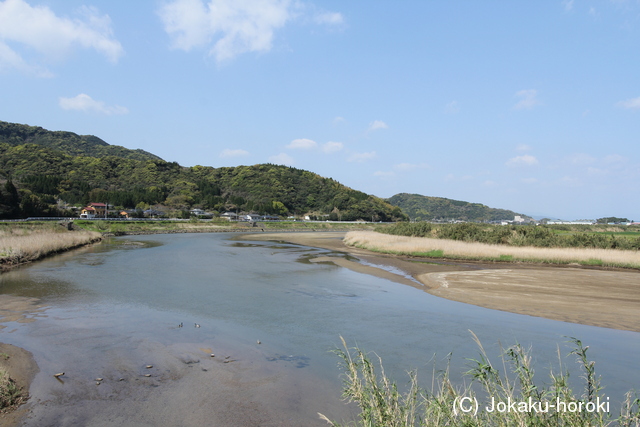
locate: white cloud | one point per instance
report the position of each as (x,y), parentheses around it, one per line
(528,99)
(281,159)
(9,59)
(228,152)
(228,28)
(568,5)
(452,108)
(362,157)
(339,120)
(38,28)
(377,124)
(84,102)
(631,104)
(525,160)
(332,147)
(234,27)
(329,18)
(302,143)
(523,147)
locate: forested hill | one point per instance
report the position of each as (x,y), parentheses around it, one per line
(427,208)
(39,168)
(70,143)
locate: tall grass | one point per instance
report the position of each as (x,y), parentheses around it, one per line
(10,393)
(26,243)
(442,248)
(381,404)
(522,235)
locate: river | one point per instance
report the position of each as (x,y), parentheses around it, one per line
(271,318)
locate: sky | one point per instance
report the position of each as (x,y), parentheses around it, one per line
(521,105)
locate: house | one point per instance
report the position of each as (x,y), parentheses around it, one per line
(124,214)
(251,217)
(88,213)
(229,215)
(94,210)
(152,213)
(101,209)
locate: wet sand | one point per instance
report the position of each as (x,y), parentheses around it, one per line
(147,383)
(590,296)
(22,369)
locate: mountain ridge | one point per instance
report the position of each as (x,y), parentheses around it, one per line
(58,165)
(427,208)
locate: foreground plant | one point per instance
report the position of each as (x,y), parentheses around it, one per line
(10,394)
(492,399)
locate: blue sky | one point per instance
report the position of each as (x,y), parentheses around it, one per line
(529,106)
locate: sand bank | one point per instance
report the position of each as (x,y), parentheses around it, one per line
(590,296)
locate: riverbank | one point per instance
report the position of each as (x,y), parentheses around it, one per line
(21,243)
(607,298)
(133,227)
(20,369)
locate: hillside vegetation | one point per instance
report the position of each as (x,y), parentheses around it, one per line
(425,208)
(70,143)
(40,167)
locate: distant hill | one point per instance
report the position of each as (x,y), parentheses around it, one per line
(48,166)
(68,142)
(438,208)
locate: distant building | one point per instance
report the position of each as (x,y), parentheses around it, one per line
(229,215)
(94,210)
(88,213)
(153,213)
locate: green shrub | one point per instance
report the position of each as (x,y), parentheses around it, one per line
(382,404)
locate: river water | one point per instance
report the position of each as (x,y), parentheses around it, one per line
(270,316)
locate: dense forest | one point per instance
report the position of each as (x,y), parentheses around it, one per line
(425,208)
(44,172)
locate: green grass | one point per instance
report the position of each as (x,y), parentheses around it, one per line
(505,258)
(436,253)
(382,404)
(132,226)
(10,393)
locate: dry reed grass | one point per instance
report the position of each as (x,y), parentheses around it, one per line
(21,245)
(441,248)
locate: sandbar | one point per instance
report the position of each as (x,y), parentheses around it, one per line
(608,298)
